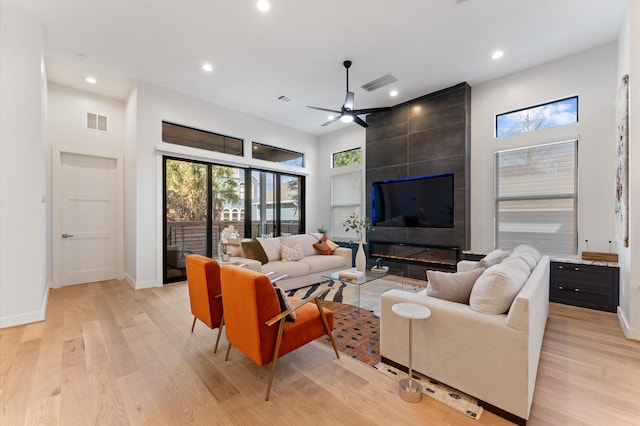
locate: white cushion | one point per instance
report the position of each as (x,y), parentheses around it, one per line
(291,253)
(306,240)
(495,289)
(528,251)
(455,287)
(493,258)
(271,248)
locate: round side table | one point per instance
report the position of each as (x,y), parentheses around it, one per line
(410,390)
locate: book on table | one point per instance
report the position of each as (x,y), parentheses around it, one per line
(350,274)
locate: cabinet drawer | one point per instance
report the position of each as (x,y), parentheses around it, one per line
(596,277)
(586,298)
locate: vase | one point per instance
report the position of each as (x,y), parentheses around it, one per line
(361,259)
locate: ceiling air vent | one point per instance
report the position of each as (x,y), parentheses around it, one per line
(283,98)
(379,82)
(96,122)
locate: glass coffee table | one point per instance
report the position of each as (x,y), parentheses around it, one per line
(368,277)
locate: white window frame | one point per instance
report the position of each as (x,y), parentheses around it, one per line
(549,237)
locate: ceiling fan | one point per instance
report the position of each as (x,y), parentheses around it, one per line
(347,114)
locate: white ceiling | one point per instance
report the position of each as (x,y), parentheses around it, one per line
(297,48)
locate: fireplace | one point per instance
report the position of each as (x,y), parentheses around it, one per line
(431,256)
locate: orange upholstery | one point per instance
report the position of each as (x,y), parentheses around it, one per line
(203,280)
(250,302)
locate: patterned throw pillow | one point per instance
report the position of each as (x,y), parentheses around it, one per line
(294,252)
(285,304)
(325,246)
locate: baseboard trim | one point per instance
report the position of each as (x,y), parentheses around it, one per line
(26,318)
(629,332)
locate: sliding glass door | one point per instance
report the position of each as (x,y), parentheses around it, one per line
(201,199)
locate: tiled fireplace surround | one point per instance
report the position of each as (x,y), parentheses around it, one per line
(425,136)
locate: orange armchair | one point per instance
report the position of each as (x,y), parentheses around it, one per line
(205,294)
(257,327)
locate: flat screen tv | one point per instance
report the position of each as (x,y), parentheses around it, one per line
(417,202)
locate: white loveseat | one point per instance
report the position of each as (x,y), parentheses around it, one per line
(493,357)
(301,273)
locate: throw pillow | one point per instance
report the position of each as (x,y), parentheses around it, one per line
(253,250)
(271,247)
(291,253)
(495,289)
(530,251)
(284,304)
(325,246)
(455,287)
(493,258)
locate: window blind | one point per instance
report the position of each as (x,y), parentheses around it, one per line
(346,193)
(536,191)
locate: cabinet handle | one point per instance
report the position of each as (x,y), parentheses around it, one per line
(560,288)
(576,269)
(576,289)
(560,267)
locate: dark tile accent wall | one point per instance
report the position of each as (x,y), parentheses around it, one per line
(425,136)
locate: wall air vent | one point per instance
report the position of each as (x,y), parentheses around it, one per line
(379,82)
(97,122)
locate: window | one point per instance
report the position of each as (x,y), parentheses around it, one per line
(536,200)
(277,155)
(187,136)
(346,194)
(530,119)
(347,158)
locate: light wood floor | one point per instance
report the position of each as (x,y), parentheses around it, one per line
(110,355)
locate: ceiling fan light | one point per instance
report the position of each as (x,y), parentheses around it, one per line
(346,118)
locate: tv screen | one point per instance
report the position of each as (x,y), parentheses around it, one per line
(417,202)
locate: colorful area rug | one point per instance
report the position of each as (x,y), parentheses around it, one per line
(455,399)
(356,333)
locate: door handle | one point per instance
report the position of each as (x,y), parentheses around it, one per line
(67,235)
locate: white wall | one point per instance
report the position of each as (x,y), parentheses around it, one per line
(592,76)
(350,137)
(155,104)
(67,118)
(23,287)
(629,257)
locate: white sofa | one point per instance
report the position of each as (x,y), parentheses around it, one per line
(301,273)
(493,358)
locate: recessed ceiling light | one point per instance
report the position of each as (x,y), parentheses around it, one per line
(207,67)
(393,93)
(91,80)
(497,54)
(263,5)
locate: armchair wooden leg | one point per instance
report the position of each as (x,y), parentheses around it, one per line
(226,358)
(274,362)
(215,350)
(326,326)
(194,324)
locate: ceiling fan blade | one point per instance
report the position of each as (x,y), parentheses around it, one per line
(360,121)
(331,121)
(371,110)
(324,109)
(348,101)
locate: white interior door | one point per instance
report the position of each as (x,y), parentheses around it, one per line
(85,218)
